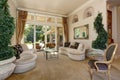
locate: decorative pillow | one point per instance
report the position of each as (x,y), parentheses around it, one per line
(66,44)
(72,46)
(76,45)
(19,48)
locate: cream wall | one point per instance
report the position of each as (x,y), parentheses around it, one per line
(116,26)
(118,29)
(12,8)
(98,6)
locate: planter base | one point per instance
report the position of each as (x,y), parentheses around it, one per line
(6,70)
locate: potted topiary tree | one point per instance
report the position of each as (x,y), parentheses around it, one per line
(99,44)
(7,27)
(101,40)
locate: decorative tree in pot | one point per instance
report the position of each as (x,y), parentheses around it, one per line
(101,40)
(7,27)
(6,31)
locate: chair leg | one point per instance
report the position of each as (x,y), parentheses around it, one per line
(91,74)
(109,75)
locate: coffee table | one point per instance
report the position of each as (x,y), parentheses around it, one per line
(52,52)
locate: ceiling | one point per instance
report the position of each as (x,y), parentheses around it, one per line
(114,2)
(63,7)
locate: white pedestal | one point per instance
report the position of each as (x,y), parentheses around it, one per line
(6,70)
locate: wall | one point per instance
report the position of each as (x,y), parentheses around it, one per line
(12,9)
(114,23)
(98,6)
(118,29)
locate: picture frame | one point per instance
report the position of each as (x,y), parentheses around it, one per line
(88,12)
(81,32)
(75,19)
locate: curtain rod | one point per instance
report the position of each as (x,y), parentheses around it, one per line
(42,12)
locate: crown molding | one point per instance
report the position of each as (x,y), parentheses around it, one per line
(42,12)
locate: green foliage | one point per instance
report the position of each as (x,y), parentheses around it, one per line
(29,33)
(100,42)
(6,31)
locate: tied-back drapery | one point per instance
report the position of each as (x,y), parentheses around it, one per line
(22,16)
(66,31)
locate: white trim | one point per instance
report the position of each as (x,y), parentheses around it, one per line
(34,36)
(42,12)
(45,24)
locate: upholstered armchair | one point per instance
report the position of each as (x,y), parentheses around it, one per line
(104,65)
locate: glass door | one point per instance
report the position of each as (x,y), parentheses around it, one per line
(28,35)
(39,43)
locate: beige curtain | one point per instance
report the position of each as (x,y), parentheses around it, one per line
(22,16)
(66,31)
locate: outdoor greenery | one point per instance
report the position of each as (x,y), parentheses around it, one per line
(29,34)
(7,27)
(100,42)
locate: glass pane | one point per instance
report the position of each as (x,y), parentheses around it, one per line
(29,35)
(50,34)
(59,20)
(51,20)
(60,36)
(40,18)
(30,17)
(39,37)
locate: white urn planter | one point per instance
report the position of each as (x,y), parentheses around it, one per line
(6,68)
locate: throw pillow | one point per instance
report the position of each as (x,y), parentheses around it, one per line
(19,48)
(76,45)
(66,44)
(72,46)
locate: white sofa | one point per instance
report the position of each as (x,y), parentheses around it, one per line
(27,60)
(75,54)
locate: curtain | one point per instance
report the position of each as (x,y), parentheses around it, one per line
(66,31)
(22,16)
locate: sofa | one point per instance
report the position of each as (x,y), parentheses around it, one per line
(74,50)
(26,59)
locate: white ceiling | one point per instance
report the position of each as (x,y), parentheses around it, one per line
(114,2)
(62,7)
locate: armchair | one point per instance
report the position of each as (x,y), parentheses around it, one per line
(105,65)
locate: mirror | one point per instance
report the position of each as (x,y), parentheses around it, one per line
(81,32)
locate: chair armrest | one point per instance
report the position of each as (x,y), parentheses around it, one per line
(101,62)
(76,52)
(24,52)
